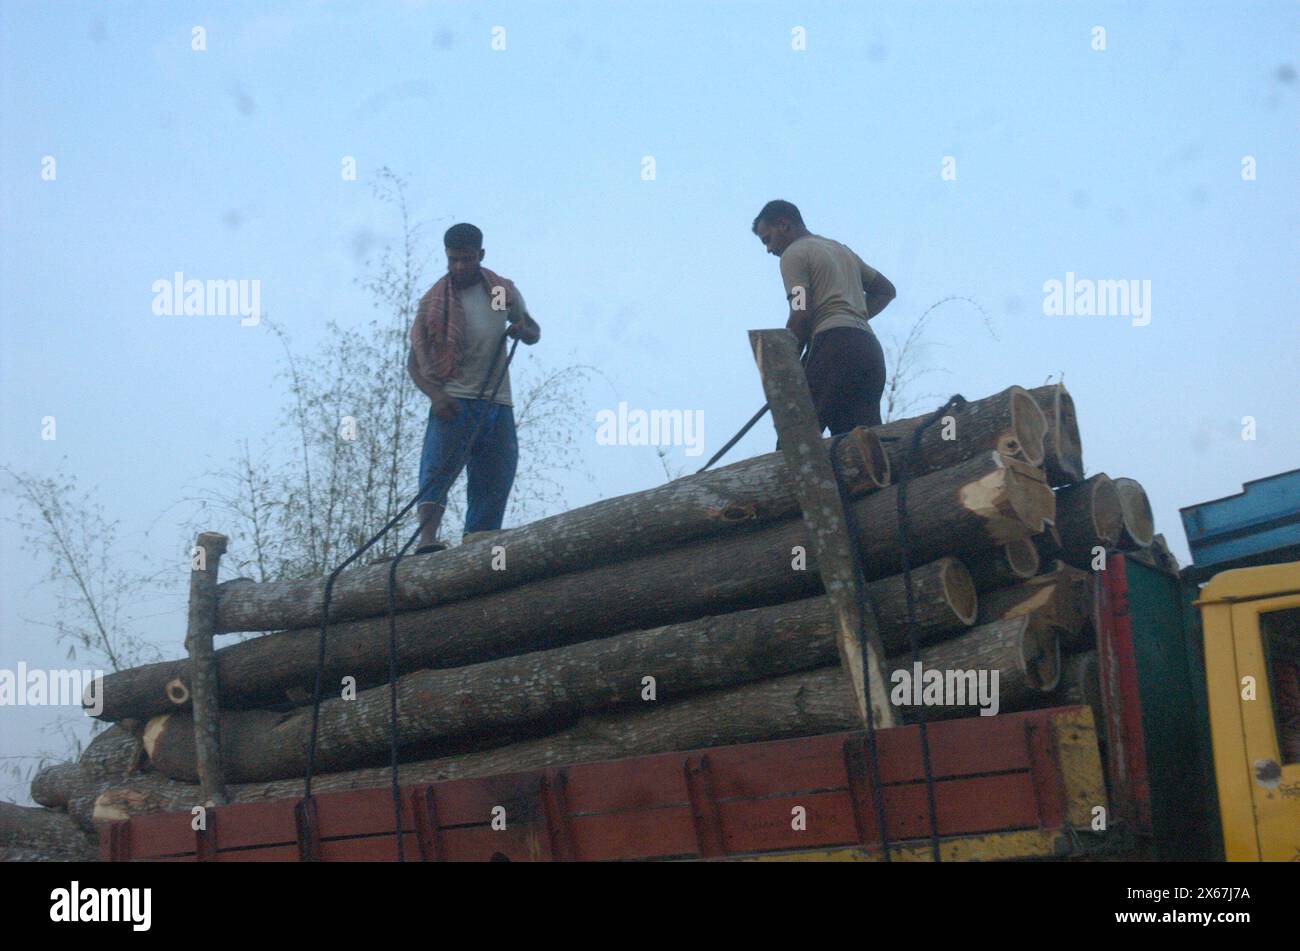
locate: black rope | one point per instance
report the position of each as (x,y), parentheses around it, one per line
(807,354)
(329,590)
(464,448)
(905,553)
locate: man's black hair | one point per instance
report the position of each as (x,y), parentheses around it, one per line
(463,237)
(778,209)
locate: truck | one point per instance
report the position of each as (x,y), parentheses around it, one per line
(1188,748)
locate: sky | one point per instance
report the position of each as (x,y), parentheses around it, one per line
(614,155)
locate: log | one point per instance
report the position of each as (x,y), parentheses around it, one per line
(1048,544)
(1061,599)
(828,524)
(1081,686)
(1089,516)
(1063,450)
(1138,525)
(1008,564)
(984,502)
(205,710)
(113,755)
(727,501)
(43,830)
(1023,650)
(1010,422)
(802,704)
(546,691)
(43,855)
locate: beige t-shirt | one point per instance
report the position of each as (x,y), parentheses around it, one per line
(832,277)
(483,329)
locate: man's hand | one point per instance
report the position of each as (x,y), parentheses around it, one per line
(446,408)
(525,329)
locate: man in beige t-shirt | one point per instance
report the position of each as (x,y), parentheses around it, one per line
(833,294)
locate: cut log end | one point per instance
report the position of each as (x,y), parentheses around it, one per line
(1063,455)
(1028,429)
(177,692)
(1041,656)
(1022,557)
(152,731)
(1139,527)
(959,590)
(868,459)
(1107,510)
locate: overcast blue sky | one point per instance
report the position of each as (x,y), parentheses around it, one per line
(1122,163)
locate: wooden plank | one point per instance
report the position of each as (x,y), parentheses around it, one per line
(751,825)
(667,832)
(165,834)
(963,806)
(517,843)
(362,812)
(642,782)
(203,669)
(274,853)
(258,824)
(376,848)
(471,801)
(957,747)
(786,386)
(1117,667)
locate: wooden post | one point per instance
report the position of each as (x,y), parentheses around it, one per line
(203,669)
(777,355)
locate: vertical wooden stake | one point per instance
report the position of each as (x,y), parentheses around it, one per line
(786,386)
(203,668)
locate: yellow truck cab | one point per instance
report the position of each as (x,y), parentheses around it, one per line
(1251,627)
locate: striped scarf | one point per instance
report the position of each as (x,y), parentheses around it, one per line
(438,333)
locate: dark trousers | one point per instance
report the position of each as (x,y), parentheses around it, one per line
(846,374)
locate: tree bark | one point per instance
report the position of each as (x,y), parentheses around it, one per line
(1063,450)
(1010,422)
(1009,564)
(826,516)
(206,713)
(44,855)
(1088,516)
(112,755)
(803,704)
(728,500)
(723,502)
(1062,599)
(1137,528)
(546,691)
(43,831)
(984,502)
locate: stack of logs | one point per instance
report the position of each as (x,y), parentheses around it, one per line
(686,616)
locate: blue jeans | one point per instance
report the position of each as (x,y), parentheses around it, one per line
(491,460)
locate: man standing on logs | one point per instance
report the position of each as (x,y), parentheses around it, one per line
(832,294)
(457,356)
